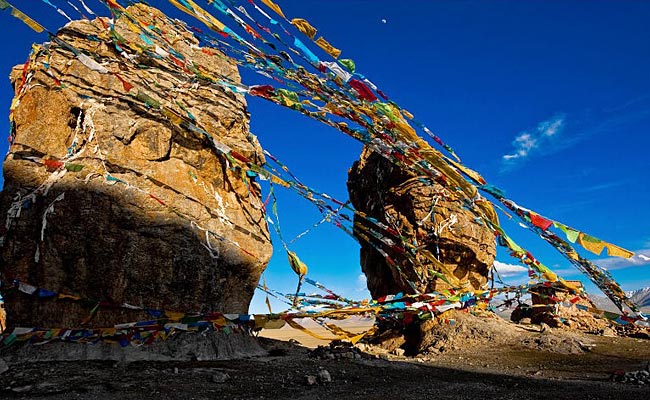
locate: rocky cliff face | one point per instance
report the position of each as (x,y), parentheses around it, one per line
(426,217)
(112,195)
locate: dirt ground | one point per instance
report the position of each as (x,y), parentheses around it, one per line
(522,364)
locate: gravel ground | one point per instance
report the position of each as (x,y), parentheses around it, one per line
(290,371)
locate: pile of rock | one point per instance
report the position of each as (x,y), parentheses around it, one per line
(322,377)
(557,344)
(631,330)
(338,350)
(641,377)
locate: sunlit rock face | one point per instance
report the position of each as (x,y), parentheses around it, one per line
(457,246)
(156,217)
(427,217)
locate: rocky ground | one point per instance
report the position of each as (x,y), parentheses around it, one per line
(523,363)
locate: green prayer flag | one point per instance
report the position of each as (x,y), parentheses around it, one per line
(571,234)
(348,64)
(74,167)
(148,100)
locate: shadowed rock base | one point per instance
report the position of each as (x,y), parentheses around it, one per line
(182,347)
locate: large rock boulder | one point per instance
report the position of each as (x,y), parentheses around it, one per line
(156,217)
(425,215)
(454,249)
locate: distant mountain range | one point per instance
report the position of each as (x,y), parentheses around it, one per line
(641,297)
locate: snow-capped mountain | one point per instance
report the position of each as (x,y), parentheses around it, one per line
(640,297)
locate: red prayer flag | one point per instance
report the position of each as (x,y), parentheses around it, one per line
(52,164)
(362,90)
(540,221)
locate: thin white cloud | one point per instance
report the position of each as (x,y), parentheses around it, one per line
(529,141)
(362,283)
(606,185)
(548,136)
(506,270)
(641,258)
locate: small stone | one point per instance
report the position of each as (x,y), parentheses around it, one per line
(3,366)
(357,356)
(220,377)
(310,380)
(324,376)
(175,370)
(608,332)
(22,389)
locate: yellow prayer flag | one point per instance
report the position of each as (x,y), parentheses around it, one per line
(200,14)
(301,328)
(591,243)
(274,324)
(275,179)
(549,276)
(28,21)
(68,296)
(615,251)
(304,27)
(352,337)
(274,7)
(174,315)
(297,265)
(173,117)
(219,322)
(331,50)
(260,321)
(108,332)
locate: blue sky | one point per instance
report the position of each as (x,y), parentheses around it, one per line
(548,100)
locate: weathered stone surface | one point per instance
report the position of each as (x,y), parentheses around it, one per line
(428,217)
(141,239)
(185,346)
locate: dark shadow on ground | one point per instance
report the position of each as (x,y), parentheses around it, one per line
(283,377)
